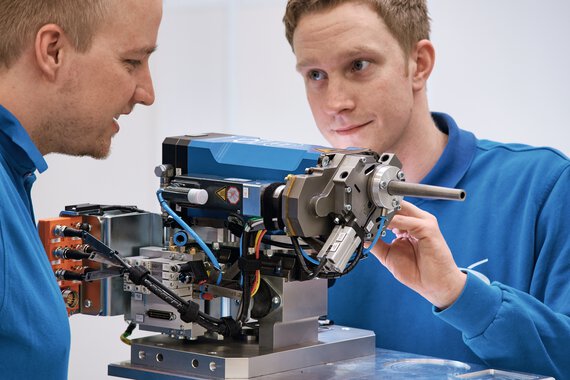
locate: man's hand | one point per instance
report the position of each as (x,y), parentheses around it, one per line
(420,258)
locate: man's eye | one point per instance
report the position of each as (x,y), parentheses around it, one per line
(359,65)
(316,75)
(133,62)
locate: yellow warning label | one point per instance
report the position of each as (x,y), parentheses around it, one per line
(222,193)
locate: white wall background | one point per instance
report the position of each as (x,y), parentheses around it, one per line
(225,66)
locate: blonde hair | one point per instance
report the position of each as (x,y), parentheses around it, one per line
(20,20)
(407,20)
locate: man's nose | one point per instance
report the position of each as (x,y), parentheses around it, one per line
(339,97)
(144,93)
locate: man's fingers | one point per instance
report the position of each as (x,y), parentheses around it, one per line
(409,209)
(401,224)
(414,221)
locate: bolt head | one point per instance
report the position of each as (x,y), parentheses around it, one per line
(164,171)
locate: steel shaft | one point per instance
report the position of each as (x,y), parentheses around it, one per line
(425,191)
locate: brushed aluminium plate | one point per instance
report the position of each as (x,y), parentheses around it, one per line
(238,360)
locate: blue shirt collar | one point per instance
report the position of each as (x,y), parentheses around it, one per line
(456,157)
(23,153)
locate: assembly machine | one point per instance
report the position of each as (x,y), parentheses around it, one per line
(233,275)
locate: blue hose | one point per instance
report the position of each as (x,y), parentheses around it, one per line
(376,237)
(189,230)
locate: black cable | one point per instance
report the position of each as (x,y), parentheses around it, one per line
(314,243)
(301,259)
(246,286)
(318,269)
(71,254)
(299,254)
(267,240)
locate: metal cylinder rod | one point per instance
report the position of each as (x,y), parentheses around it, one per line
(425,191)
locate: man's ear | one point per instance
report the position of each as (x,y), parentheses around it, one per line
(424,56)
(48,48)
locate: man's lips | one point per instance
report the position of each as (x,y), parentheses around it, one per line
(116,125)
(350,128)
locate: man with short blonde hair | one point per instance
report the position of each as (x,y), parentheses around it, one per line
(68,70)
(366,64)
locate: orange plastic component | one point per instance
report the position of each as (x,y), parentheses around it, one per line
(73,292)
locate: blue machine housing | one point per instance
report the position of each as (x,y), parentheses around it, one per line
(231,156)
(235,169)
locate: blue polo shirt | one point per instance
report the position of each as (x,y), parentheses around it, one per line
(516,215)
(34,328)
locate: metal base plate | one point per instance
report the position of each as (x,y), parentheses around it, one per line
(161,357)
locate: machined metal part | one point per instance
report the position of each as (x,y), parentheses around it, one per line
(310,199)
(125,233)
(239,360)
(396,188)
(294,319)
(378,187)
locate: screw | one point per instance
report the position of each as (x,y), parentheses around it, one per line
(395,203)
(347,207)
(348,190)
(276,300)
(87,304)
(325,161)
(164,171)
(401,176)
(336,220)
(383,185)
